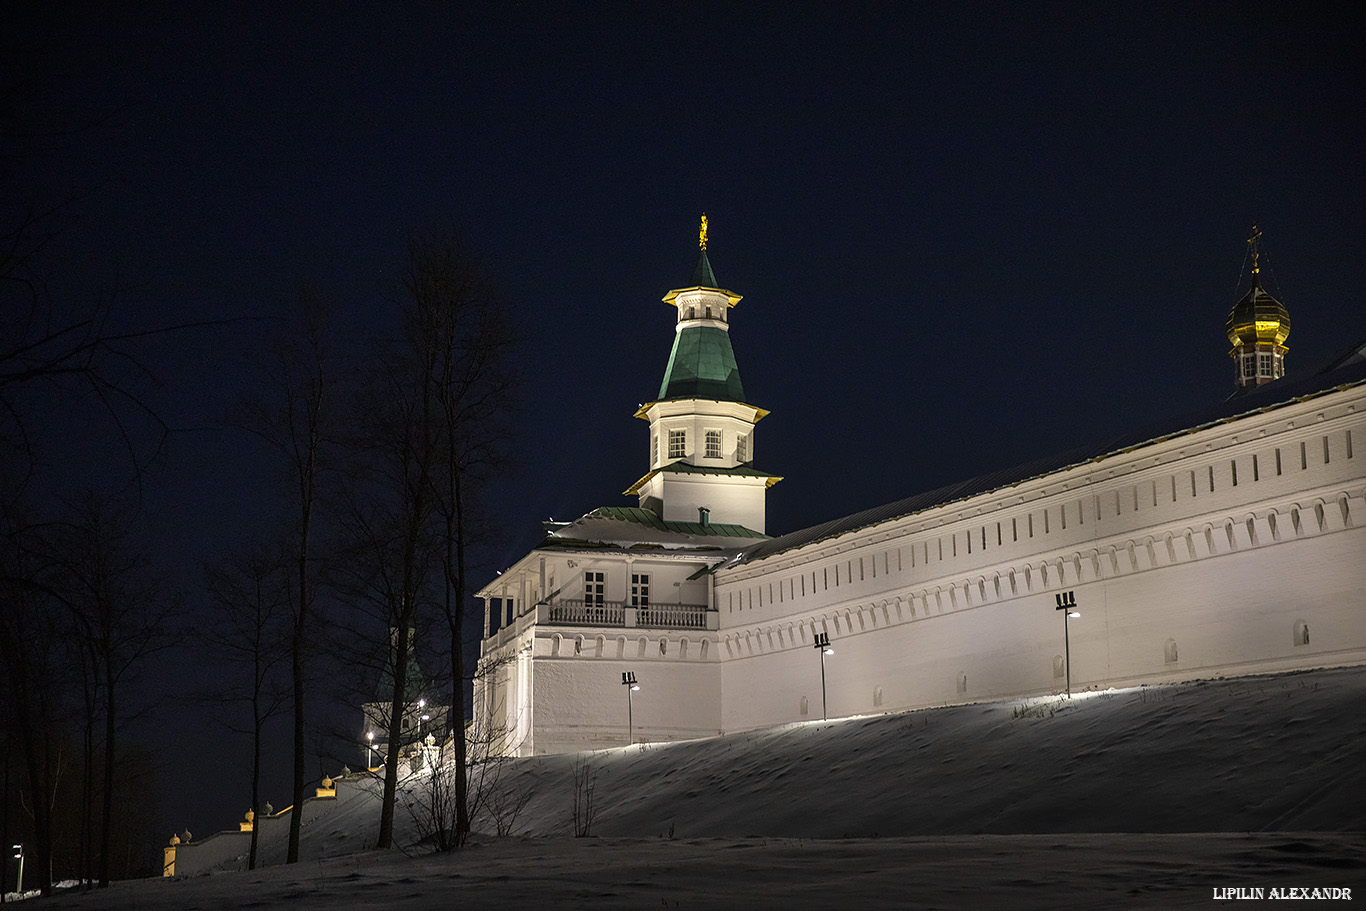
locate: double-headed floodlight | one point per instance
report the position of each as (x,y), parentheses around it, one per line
(19,887)
(1067,603)
(628,680)
(823,644)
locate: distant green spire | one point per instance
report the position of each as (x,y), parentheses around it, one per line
(413,684)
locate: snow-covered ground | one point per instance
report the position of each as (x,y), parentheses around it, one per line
(1223,784)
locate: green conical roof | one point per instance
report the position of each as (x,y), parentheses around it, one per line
(702,276)
(702,365)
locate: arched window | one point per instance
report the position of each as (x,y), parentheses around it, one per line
(877,697)
(1169,651)
(1301,633)
(1059,667)
(802,708)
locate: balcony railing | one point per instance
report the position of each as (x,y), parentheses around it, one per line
(576,612)
(588,613)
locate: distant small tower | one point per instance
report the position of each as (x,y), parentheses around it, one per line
(1258,326)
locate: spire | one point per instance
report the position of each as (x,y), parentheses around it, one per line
(702,275)
(702,363)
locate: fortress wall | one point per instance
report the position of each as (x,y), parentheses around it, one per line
(1202,555)
(580,702)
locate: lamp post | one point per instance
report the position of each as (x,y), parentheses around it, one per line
(1067,603)
(628,680)
(370,757)
(422,719)
(20,886)
(823,644)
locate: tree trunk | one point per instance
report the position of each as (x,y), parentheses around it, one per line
(457,709)
(396,709)
(107,823)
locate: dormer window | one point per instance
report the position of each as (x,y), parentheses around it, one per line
(742,447)
(678,444)
(713,450)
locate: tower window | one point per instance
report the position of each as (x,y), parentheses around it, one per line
(678,444)
(1250,365)
(1264,364)
(742,447)
(713,444)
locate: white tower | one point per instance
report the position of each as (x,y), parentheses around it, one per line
(701,429)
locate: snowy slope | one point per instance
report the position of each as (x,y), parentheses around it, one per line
(1011,804)
(1279,753)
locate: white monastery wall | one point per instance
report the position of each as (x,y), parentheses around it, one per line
(679,698)
(1202,554)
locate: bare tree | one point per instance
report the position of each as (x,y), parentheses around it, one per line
(120,612)
(465,329)
(424,433)
(391,557)
(31,659)
(251,632)
(296,423)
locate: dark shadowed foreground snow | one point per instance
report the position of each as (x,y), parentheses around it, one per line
(1238,784)
(788,874)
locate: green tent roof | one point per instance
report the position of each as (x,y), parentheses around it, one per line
(702,366)
(413,684)
(702,275)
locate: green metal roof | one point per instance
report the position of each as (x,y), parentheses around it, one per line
(641,516)
(702,276)
(413,683)
(702,366)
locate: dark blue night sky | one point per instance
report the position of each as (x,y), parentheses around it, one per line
(967,234)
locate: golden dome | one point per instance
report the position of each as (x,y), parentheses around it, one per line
(1258,317)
